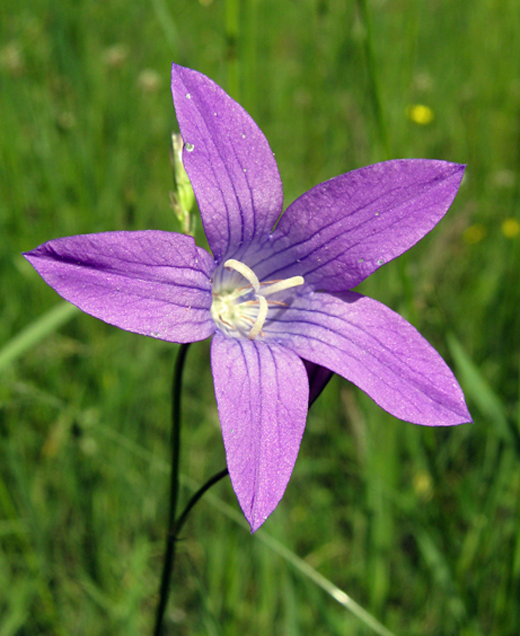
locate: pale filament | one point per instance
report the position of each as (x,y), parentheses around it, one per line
(246,272)
(280,285)
(228,324)
(261,291)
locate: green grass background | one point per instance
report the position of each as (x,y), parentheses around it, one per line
(420,526)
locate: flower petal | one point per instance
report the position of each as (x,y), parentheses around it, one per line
(318,379)
(377,350)
(341,231)
(262,395)
(153,283)
(229,162)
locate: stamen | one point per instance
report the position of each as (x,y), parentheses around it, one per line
(246,272)
(228,324)
(260,319)
(248,303)
(280,285)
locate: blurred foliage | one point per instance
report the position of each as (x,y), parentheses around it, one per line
(421,526)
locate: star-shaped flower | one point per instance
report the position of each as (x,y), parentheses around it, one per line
(271,298)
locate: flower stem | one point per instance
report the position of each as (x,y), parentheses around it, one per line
(175,526)
(191,503)
(169,553)
(170,547)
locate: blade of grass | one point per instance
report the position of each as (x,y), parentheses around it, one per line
(375,92)
(35,332)
(232,25)
(476,387)
(167,24)
(303,567)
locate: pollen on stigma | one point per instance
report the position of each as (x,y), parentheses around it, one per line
(241,310)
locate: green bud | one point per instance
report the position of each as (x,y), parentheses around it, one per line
(182,198)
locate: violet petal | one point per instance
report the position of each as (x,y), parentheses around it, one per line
(152,283)
(318,379)
(339,232)
(376,349)
(262,396)
(229,162)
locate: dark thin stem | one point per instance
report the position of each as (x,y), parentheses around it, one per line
(213,480)
(174,533)
(175,526)
(169,553)
(176,430)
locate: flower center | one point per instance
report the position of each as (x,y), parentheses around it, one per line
(243,309)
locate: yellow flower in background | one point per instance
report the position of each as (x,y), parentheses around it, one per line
(474,233)
(420,114)
(423,485)
(510,228)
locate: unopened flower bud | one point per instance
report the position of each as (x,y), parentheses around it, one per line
(182,198)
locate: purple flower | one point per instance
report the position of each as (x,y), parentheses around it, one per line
(273,300)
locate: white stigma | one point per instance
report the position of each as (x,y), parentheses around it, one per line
(238,308)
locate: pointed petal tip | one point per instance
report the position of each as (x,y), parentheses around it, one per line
(178,70)
(463,417)
(452,411)
(454,174)
(258,510)
(455,418)
(29,256)
(460,168)
(255,524)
